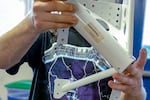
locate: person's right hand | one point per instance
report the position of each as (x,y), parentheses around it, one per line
(130,83)
(43,20)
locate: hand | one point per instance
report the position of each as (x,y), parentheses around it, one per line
(43,19)
(130,82)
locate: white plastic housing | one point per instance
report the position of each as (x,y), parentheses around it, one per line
(62,86)
(101,39)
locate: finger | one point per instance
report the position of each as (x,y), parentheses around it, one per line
(134,68)
(63,18)
(57,25)
(122,78)
(43,26)
(55,6)
(117,86)
(142,58)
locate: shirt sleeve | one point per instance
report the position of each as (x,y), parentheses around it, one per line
(32,57)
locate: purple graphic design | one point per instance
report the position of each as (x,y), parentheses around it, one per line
(71,69)
(63,63)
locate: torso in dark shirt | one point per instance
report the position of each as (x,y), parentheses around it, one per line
(40,86)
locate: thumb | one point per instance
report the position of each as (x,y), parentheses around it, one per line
(142,58)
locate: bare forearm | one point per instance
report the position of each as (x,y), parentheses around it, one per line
(15,43)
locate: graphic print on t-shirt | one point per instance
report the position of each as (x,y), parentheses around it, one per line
(74,63)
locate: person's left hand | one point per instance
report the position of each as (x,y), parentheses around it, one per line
(130,82)
(52,14)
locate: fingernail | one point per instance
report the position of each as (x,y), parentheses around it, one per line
(73,8)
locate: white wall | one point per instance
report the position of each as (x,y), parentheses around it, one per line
(25,73)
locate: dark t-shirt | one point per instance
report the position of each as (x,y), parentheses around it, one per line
(39,89)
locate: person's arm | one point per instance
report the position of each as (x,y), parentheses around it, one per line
(15,43)
(131,82)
